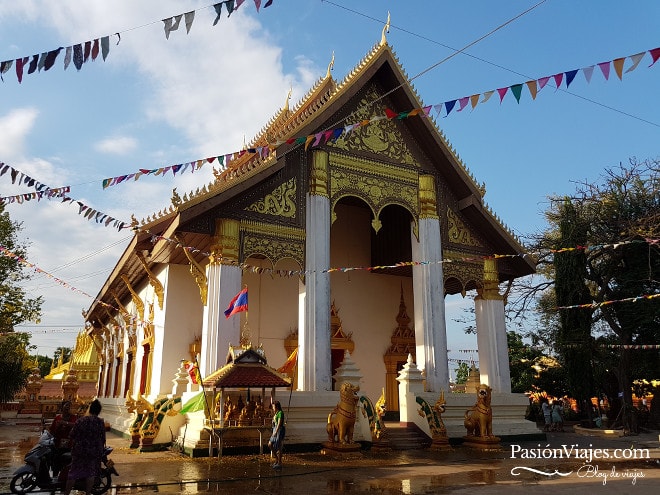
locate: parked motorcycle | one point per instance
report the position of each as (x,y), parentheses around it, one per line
(38,472)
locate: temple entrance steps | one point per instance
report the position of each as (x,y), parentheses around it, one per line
(403,436)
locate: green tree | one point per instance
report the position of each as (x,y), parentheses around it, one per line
(15,306)
(64,352)
(462,373)
(15,364)
(44,362)
(602,243)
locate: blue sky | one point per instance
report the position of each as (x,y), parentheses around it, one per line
(156,102)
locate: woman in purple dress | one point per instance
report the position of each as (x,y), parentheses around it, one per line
(88,441)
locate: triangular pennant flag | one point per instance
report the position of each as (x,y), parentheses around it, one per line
(570,75)
(390,113)
(502,92)
(531,85)
(618,67)
(438,108)
(487,96)
(257,4)
(189,18)
(588,72)
(605,69)
(218,11)
(516,89)
(655,55)
(449,106)
(543,81)
(636,59)
(558,78)
(462,102)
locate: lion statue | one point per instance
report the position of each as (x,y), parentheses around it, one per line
(479,419)
(341,421)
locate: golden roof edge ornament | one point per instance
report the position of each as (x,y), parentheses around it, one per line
(198,273)
(153,280)
(139,304)
(331,65)
(386,29)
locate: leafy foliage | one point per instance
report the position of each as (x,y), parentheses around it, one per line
(15,364)
(15,306)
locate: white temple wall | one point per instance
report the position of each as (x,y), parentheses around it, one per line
(272,308)
(176,326)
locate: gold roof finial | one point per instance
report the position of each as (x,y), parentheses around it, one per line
(386,29)
(286,103)
(330,65)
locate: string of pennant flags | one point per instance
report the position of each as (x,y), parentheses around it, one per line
(331,135)
(89,51)
(287,273)
(45,192)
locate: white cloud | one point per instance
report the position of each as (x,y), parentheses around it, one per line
(121,145)
(14,128)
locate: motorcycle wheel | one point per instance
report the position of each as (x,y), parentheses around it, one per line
(103,483)
(23,483)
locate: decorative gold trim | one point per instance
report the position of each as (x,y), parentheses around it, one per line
(137,301)
(225,242)
(428,206)
(490,290)
(458,232)
(318,177)
(199,274)
(153,280)
(377,184)
(386,29)
(275,242)
(280,202)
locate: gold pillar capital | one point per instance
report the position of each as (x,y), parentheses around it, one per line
(225,242)
(318,177)
(491,281)
(428,203)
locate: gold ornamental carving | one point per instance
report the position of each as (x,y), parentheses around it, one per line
(153,280)
(458,231)
(199,274)
(381,136)
(377,184)
(318,180)
(225,242)
(280,202)
(491,280)
(137,301)
(428,206)
(273,241)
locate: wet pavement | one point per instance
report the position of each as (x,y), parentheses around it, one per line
(565,462)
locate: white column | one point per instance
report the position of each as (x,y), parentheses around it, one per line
(491,332)
(218,332)
(314,365)
(223,281)
(428,291)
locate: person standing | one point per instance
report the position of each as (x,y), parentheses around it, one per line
(547,413)
(557,416)
(277,437)
(60,429)
(88,441)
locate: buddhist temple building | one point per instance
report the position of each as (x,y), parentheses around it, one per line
(348,218)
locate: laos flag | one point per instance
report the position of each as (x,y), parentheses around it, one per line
(238,304)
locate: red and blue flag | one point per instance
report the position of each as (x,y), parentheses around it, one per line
(238,304)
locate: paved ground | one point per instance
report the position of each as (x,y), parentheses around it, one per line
(514,469)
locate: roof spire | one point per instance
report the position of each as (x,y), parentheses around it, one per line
(330,65)
(286,103)
(386,29)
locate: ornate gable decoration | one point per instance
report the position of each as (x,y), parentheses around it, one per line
(380,137)
(281,202)
(458,232)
